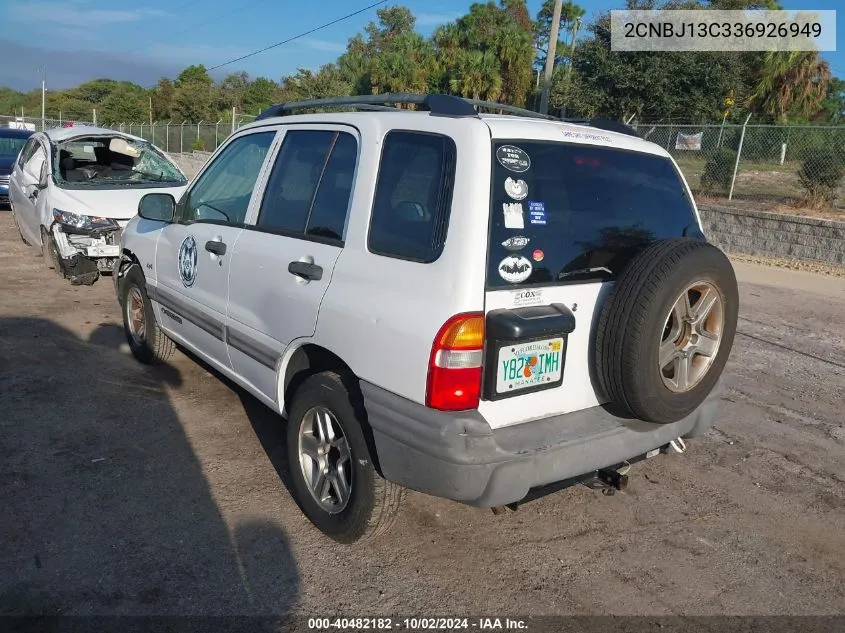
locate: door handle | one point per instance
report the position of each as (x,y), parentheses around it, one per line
(213,246)
(312,272)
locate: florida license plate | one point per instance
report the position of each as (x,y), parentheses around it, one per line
(530,365)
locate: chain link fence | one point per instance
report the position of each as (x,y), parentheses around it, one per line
(763,166)
(176,138)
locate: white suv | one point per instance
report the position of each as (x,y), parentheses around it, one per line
(473,306)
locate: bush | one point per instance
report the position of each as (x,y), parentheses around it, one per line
(198,145)
(820,175)
(718,171)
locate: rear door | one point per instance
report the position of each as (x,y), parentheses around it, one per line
(566,218)
(283,262)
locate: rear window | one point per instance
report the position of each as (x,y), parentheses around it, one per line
(564,212)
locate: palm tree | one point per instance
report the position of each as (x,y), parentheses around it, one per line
(791,82)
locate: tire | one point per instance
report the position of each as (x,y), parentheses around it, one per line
(48,250)
(640,322)
(150,345)
(372,502)
(18,226)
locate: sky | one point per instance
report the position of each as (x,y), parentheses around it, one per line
(143,40)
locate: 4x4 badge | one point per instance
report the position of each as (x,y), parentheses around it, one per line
(516,243)
(188,261)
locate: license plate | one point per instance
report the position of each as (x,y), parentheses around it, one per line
(530,365)
(107,250)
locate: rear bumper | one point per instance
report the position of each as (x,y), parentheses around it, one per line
(458,456)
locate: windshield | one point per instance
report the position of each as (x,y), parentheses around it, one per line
(112,162)
(11,147)
(565,212)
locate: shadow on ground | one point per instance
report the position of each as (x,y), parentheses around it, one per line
(105,507)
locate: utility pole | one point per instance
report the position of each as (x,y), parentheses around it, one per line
(550,58)
(151,112)
(43,94)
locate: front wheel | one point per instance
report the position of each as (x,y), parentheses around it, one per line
(147,342)
(334,479)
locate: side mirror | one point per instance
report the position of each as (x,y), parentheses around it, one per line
(157,206)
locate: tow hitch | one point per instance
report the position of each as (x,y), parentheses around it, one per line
(614,478)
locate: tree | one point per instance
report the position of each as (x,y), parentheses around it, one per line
(232,90)
(329,81)
(652,86)
(125,104)
(194,98)
(500,30)
(790,83)
(569,13)
(260,95)
(162,96)
(833,107)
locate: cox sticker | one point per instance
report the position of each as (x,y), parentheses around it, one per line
(515,269)
(513,158)
(516,189)
(516,243)
(524,298)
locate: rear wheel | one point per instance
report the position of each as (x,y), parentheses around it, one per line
(147,342)
(334,478)
(667,329)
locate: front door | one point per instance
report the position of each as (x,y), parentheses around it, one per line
(194,253)
(291,247)
(24,192)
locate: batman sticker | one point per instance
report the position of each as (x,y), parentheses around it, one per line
(515,269)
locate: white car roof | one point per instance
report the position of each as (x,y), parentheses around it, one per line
(501,127)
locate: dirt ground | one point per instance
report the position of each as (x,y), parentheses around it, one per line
(130,490)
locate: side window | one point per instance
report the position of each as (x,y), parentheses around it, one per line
(35,162)
(27,152)
(223,191)
(309,188)
(413,196)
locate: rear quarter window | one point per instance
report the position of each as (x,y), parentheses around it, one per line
(567,212)
(413,196)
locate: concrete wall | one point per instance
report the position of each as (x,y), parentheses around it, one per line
(774,234)
(190,162)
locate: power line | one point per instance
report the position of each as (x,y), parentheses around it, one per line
(296,37)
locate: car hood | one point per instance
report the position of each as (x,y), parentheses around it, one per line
(117,204)
(7,163)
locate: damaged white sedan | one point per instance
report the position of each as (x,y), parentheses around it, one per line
(73,190)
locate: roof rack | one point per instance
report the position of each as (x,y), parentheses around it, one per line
(492,105)
(436,104)
(441,105)
(613,126)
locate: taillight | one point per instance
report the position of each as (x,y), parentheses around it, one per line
(454,369)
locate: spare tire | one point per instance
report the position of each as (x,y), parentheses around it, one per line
(666,329)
